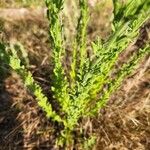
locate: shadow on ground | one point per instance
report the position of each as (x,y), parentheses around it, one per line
(10,127)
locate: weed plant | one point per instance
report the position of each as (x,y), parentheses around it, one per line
(81,93)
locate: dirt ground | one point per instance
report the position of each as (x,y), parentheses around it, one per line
(123,125)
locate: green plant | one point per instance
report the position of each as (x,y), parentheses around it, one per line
(89,143)
(78,92)
(4,60)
